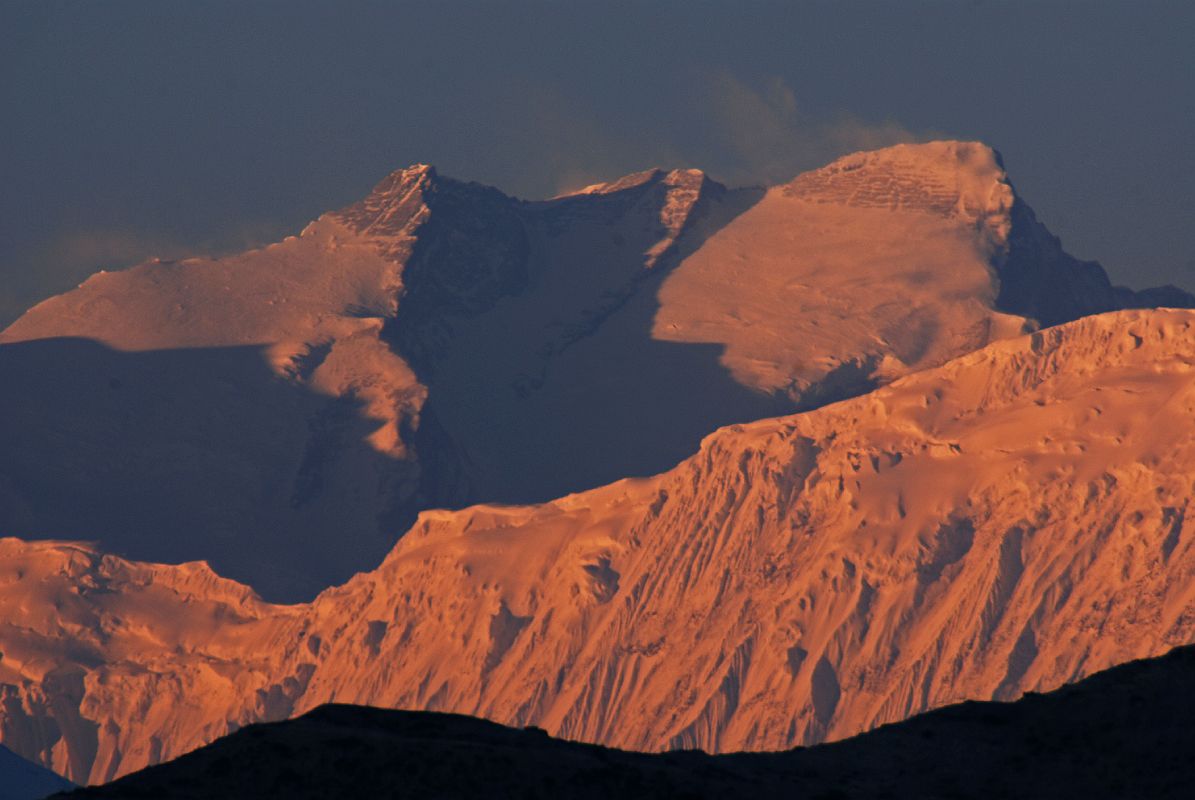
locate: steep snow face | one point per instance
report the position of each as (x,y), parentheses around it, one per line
(284,413)
(234,409)
(962,180)
(1011,521)
(559,385)
(1041,746)
(261,411)
(852,274)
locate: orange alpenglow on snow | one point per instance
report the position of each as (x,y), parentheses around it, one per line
(440,344)
(893,491)
(1010,521)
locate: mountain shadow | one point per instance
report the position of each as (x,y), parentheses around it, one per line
(554,383)
(528,327)
(24,780)
(190,454)
(207,453)
(1039,279)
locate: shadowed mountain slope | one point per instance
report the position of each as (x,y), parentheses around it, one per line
(1011,521)
(23,780)
(285,413)
(1122,733)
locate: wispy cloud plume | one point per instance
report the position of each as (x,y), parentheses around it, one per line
(741,133)
(767,138)
(64,261)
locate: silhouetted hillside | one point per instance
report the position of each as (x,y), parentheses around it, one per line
(1012,521)
(1122,733)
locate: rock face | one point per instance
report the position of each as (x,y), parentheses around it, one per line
(1011,521)
(285,413)
(1056,745)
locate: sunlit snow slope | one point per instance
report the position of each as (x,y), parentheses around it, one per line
(1125,732)
(1013,520)
(284,413)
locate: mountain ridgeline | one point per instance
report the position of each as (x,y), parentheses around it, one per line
(1010,521)
(285,413)
(1122,733)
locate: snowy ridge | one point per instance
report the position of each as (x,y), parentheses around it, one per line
(1009,522)
(347,378)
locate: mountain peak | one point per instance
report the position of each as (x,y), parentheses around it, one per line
(948,178)
(675,177)
(413,172)
(403,180)
(629,181)
(392,203)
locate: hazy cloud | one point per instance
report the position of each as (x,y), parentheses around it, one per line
(740,133)
(579,147)
(769,140)
(69,258)
(136,135)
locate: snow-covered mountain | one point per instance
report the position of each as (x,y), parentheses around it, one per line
(285,413)
(1122,733)
(1012,520)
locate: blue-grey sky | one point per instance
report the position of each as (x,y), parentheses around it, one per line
(129,130)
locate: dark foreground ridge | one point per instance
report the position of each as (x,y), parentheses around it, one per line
(1125,732)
